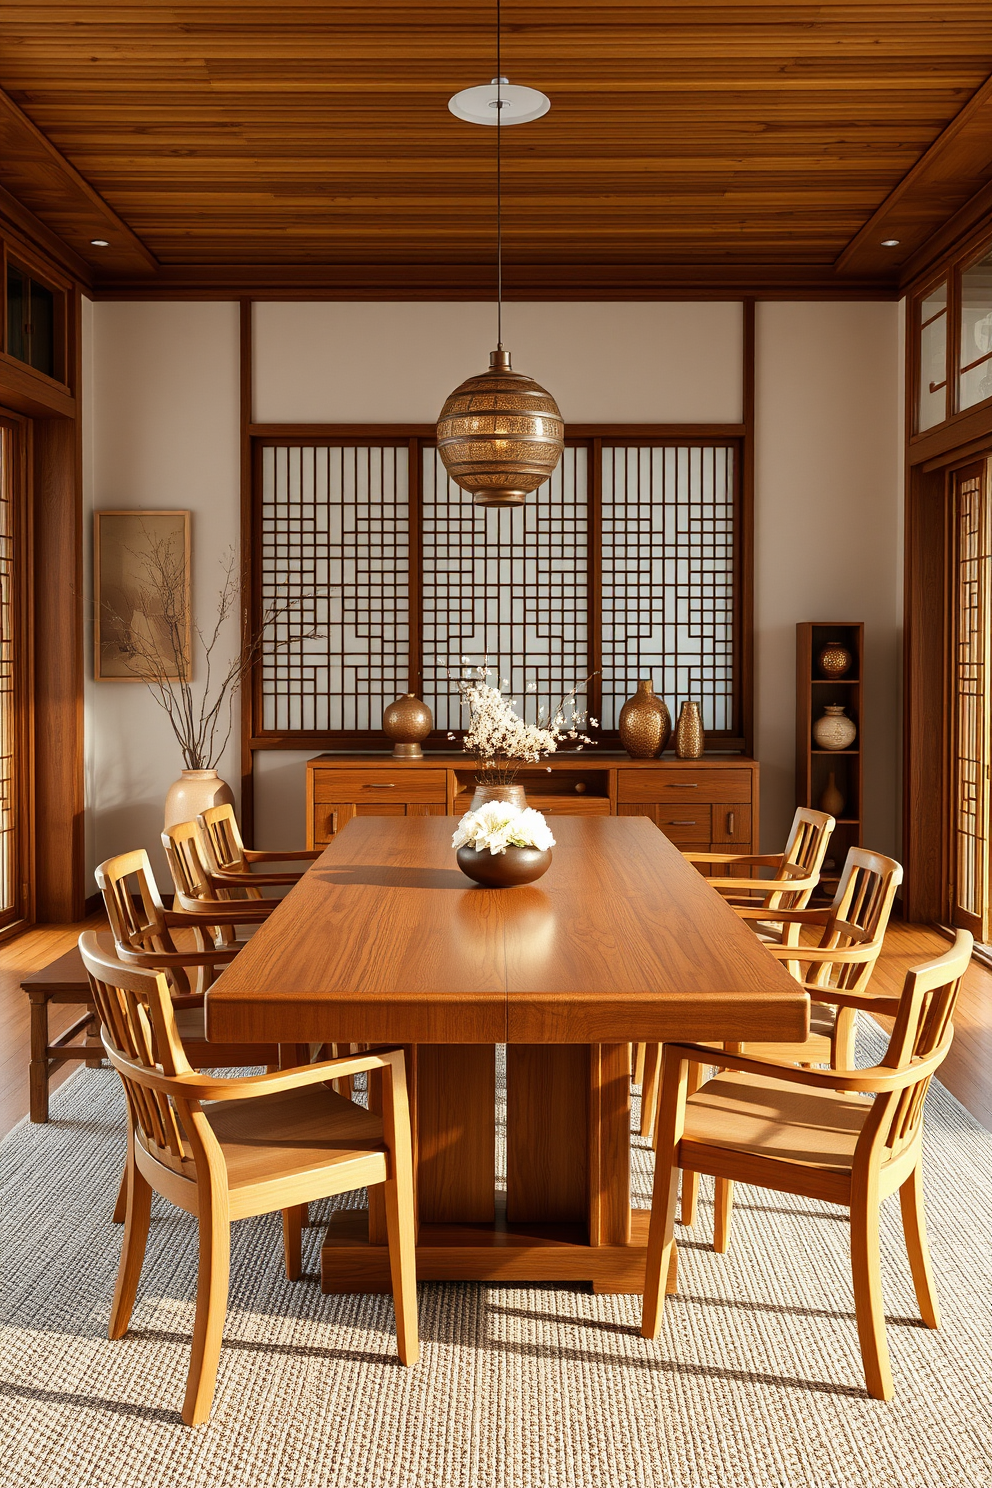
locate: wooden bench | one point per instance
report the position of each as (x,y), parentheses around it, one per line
(63,981)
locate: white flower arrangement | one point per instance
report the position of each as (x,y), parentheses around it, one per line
(496,826)
(499,738)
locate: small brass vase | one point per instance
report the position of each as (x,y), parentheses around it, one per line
(513,795)
(834,660)
(406,722)
(645,723)
(689,735)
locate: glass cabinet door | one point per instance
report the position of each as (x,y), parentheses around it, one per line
(931,403)
(975,364)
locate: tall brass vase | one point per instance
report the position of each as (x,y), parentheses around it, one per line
(645,723)
(689,732)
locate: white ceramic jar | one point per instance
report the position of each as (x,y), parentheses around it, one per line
(834,730)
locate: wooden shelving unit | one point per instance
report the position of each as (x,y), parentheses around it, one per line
(813,766)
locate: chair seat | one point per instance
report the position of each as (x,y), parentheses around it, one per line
(774,1119)
(300,1131)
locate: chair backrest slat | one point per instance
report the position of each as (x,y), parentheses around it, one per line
(803,856)
(139,1022)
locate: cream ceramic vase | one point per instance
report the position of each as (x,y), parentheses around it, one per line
(834,730)
(193,792)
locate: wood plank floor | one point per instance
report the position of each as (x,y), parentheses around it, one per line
(967,1072)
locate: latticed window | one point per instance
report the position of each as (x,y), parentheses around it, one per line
(627,564)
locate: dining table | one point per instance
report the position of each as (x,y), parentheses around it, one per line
(385,942)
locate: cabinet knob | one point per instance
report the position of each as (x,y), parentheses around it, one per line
(731,822)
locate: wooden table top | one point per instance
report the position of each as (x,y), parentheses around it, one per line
(385,940)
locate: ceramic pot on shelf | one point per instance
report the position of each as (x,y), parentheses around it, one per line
(517,865)
(645,723)
(834,659)
(195,791)
(689,737)
(513,795)
(832,801)
(407,722)
(834,730)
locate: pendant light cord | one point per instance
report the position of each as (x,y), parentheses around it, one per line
(499,185)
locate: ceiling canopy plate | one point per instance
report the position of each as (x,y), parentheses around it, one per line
(518,105)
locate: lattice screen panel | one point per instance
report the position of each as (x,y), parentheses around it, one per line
(510,584)
(335,537)
(973,682)
(8,679)
(668,577)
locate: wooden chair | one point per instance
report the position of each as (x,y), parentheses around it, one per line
(852,931)
(817,1134)
(227,854)
(198,886)
(796,873)
(273,1141)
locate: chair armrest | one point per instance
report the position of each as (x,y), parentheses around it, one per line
(220,911)
(875,1080)
(163,959)
(254,880)
(842,956)
(787,916)
(767,860)
(864,1001)
(304,854)
(198,1087)
(768,885)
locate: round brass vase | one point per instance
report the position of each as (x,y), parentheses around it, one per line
(645,724)
(517,865)
(500,434)
(834,660)
(407,722)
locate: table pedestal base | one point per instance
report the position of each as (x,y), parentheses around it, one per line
(528,1254)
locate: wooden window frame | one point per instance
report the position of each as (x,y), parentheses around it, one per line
(22,912)
(954,424)
(419,437)
(35,269)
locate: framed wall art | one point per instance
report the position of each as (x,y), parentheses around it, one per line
(142,603)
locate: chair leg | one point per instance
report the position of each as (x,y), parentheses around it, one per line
(723,1209)
(866,1268)
(138,1208)
(637,1074)
(914,1225)
(661,1231)
(120,1207)
(649,1087)
(211,1304)
(690,1181)
(293,1220)
(403,1268)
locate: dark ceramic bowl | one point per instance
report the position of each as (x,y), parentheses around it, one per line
(518,865)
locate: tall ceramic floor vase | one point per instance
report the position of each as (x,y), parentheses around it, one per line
(193,792)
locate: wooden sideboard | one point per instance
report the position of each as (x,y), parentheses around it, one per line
(708,804)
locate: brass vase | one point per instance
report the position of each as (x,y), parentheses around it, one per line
(689,732)
(645,723)
(513,795)
(406,722)
(834,659)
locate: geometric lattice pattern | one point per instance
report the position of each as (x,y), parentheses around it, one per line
(512,584)
(973,678)
(668,577)
(342,526)
(9,893)
(336,547)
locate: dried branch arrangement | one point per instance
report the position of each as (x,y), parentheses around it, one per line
(498,737)
(161,642)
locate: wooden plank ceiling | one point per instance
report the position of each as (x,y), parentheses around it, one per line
(713,144)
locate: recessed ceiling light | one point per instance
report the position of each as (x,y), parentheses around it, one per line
(99,243)
(890,242)
(499,102)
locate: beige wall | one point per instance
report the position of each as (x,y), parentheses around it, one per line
(828,500)
(162,430)
(162,415)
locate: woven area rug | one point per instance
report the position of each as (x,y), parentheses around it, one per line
(755,1379)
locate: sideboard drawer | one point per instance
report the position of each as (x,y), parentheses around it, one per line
(684,783)
(685,828)
(374,785)
(732,824)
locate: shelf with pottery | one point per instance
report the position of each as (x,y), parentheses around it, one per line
(829,774)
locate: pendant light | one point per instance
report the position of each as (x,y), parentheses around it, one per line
(500,434)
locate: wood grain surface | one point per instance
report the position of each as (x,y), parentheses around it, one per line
(385,940)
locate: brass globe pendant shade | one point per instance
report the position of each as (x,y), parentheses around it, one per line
(499,434)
